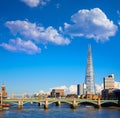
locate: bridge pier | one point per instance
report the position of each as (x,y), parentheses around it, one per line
(98,103)
(1,107)
(118,102)
(39,104)
(74,105)
(46,104)
(58,103)
(20,104)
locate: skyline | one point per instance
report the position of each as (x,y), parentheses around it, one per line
(43,43)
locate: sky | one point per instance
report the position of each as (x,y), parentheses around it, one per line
(44,43)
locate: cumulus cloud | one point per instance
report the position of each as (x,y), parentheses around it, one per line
(91,24)
(33,31)
(35,3)
(117,85)
(72,89)
(43,92)
(20,45)
(98,88)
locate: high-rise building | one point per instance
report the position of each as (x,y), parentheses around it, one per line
(107,92)
(89,78)
(80,89)
(108,82)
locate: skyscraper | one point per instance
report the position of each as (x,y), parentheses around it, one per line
(89,78)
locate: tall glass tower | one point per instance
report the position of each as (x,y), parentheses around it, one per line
(89,78)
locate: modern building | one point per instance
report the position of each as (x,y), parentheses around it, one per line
(108,91)
(57,93)
(89,78)
(80,89)
(109,82)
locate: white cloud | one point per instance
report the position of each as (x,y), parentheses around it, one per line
(72,89)
(44,92)
(20,45)
(98,88)
(117,85)
(35,32)
(35,3)
(91,24)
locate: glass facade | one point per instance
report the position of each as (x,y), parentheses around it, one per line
(89,78)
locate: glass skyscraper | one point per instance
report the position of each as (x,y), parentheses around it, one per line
(89,78)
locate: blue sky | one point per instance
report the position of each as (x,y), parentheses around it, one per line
(44,43)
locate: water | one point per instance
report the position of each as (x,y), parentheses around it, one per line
(63,111)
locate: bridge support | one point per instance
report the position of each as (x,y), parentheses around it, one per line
(98,103)
(20,104)
(58,103)
(39,104)
(74,105)
(118,102)
(46,104)
(1,107)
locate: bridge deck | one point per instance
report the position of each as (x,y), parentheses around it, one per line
(53,100)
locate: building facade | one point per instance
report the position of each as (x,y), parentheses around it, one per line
(109,94)
(57,93)
(89,78)
(108,91)
(81,89)
(109,82)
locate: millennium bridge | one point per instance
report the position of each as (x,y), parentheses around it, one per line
(47,101)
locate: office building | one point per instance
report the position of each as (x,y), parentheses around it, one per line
(80,89)
(57,93)
(89,78)
(108,82)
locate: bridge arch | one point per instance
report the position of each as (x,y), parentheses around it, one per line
(66,102)
(109,104)
(87,103)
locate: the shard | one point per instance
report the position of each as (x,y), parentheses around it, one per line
(89,78)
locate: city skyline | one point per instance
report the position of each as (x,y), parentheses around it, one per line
(43,43)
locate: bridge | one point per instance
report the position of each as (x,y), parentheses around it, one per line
(46,102)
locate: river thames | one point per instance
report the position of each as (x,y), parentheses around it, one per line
(63,111)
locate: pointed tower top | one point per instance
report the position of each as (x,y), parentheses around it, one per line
(89,47)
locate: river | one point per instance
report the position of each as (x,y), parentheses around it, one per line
(63,111)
